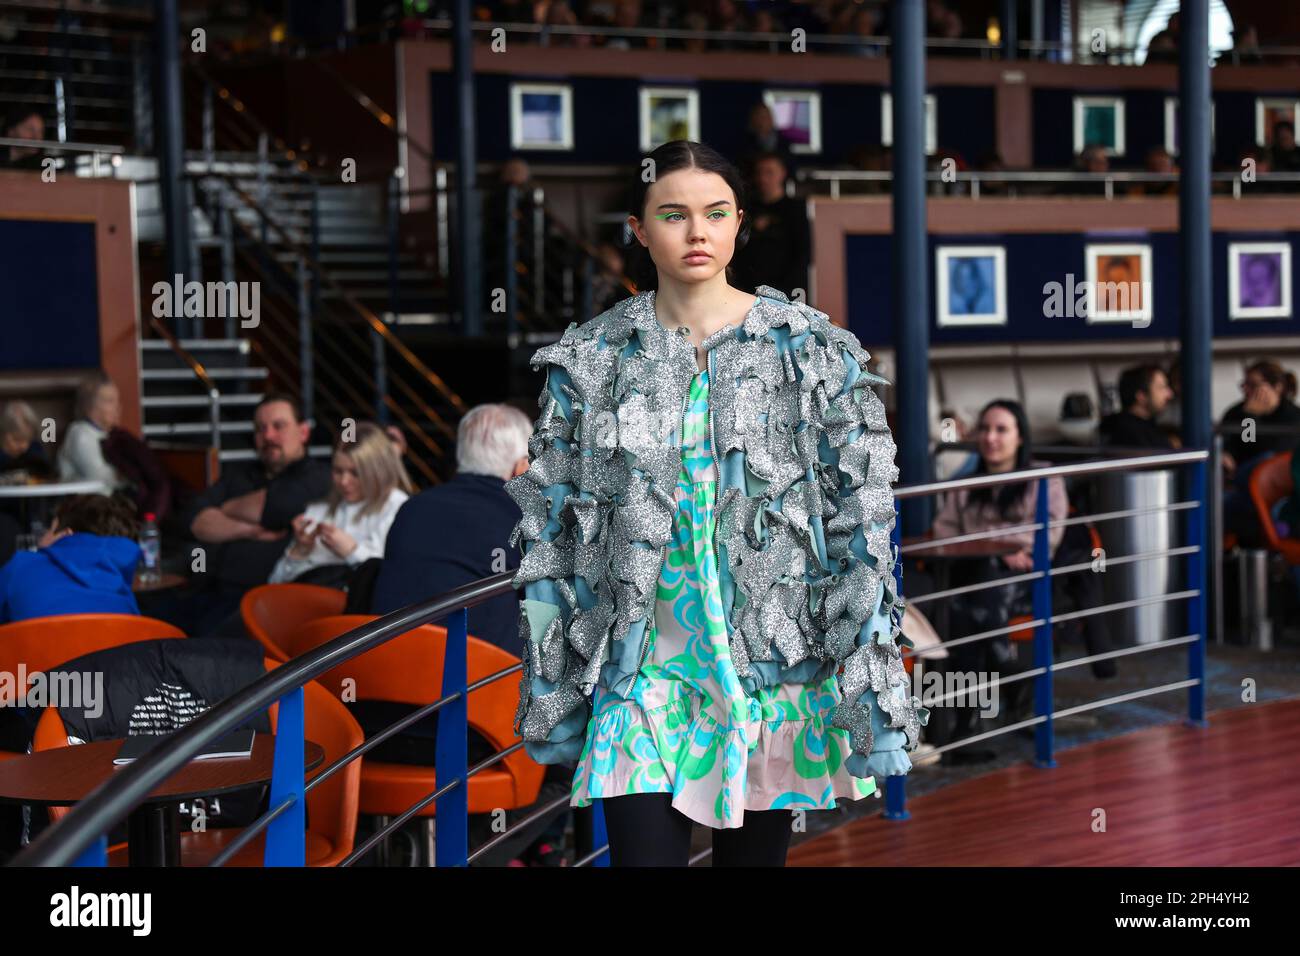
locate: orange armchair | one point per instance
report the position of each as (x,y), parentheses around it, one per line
(274,612)
(408,670)
(1270,482)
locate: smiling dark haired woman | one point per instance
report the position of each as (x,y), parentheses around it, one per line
(710,626)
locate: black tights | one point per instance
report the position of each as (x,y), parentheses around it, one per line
(645,829)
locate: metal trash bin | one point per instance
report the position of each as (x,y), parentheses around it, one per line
(1252,590)
(1138,534)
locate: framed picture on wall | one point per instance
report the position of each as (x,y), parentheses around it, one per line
(1259,280)
(1171,126)
(541,116)
(971,285)
(1099,121)
(668,113)
(931,122)
(797,114)
(1271,111)
(1119,282)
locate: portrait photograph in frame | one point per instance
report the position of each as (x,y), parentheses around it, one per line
(541,116)
(668,113)
(1259,280)
(797,114)
(1099,121)
(970,285)
(1119,282)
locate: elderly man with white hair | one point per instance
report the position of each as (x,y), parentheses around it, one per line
(459,531)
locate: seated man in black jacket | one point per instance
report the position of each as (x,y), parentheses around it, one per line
(459,531)
(243,521)
(1144,393)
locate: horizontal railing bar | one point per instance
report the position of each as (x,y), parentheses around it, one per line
(518,824)
(1126,559)
(980,586)
(1052,471)
(1008,679)
(396,822)
(1124,605)
(1124,698)
(1126,513)
(1124,652)
(981,636)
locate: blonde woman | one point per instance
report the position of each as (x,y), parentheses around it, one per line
(351,525)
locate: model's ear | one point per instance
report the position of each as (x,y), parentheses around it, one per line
(635,225)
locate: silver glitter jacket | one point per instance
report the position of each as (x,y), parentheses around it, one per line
(805,461)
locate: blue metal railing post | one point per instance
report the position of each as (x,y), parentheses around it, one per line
(896,787)
(94,855)
(1044,743)
(451,749)
(286,835)
(1195,524)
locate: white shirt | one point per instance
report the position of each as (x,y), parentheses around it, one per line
(370,532)
(82,456)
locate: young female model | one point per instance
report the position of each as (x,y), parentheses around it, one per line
(710,624)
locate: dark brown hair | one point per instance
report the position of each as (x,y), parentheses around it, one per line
(96,514)
(1276,376)
(668,158)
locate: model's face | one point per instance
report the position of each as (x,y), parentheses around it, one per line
(999,437)
(346,478)
(690,225)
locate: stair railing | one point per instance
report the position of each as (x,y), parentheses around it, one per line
(195,366)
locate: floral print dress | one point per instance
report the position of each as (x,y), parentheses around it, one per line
(690,729)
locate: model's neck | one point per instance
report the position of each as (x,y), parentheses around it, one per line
(702,307)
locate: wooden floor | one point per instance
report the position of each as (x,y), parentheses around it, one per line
(1224,795)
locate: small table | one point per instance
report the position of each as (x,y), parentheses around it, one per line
(169,579)
(62,776)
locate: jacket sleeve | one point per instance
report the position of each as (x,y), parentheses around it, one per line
(860,607)
(553,710)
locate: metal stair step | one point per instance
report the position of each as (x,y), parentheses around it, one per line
(175,374)
(159,429)
(190,345)
(196,401)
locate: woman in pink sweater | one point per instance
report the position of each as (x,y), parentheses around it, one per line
(1003,437)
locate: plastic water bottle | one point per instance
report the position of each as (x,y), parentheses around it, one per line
(150,552)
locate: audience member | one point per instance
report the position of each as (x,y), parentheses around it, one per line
(24,122)
(459,531)
(1158,160)
(1264,423)
(85,564)
(20,446)
(1144,393)
(351,525)
(1003,441)
(243,521)
(81,455)
(762,137)
(1284,154)
(779,250)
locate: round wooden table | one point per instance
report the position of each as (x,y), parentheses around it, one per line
(168,579)
(65,775)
